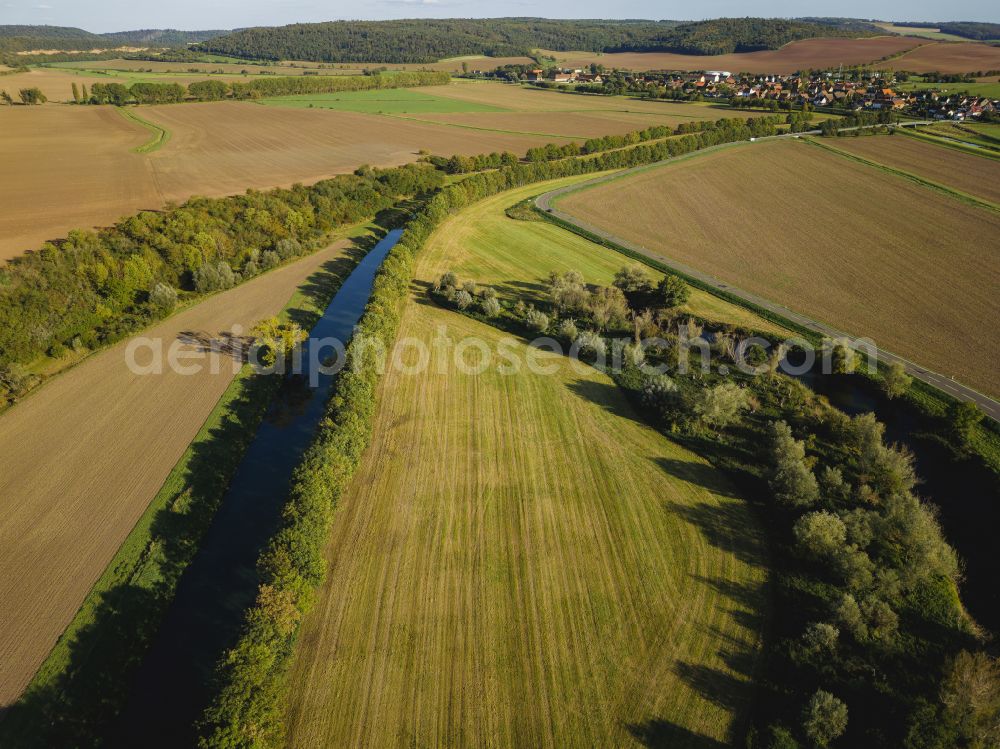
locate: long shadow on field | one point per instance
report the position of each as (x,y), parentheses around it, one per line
(607,395)
(662,734)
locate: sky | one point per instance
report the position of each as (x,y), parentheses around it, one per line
(124,15)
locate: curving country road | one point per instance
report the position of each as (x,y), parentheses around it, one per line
(946,384)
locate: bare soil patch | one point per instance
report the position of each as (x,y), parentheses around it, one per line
(957,57)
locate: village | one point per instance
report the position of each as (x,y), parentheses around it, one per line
(841,90)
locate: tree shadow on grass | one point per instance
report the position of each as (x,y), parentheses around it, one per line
(607,395)
(662,734)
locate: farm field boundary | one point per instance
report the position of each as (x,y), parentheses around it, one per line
(940,140)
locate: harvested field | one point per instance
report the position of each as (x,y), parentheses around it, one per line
(74,166)
(75,170)
(519,561)
(966,173)
(225,147)
(578,125)
(808,53)
(951,57)
(847,244)
(65,168)
(84,455)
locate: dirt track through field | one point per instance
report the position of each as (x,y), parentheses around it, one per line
(84,456)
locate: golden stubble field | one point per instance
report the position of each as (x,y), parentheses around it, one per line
(521,562)
(868,252)
(974,175)
(84,456)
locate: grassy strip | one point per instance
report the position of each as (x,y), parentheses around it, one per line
(951,192)
(109,634)
(930,137)
(160,134)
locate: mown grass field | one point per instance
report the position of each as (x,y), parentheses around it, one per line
(979,88)
(848,244)
(521,562)
(965,172)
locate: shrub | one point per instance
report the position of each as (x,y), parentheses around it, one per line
(490,306)
(536,320)
(791,480)
(568,329)
(589,342)
(721,405)
(825,718)
(672,291)
(632,278)
(896,382)
(820,533)
(463,299)
(661,394)
(163,298)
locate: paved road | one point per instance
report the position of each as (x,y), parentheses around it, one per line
(947,384)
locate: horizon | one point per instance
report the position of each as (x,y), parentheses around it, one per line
(112,16)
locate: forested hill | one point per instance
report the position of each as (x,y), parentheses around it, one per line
(965,29)
(67,38)
(423,41)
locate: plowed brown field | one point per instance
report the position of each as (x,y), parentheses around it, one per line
(957,57)
(84,456)
(808,53)
(964,172)
(65,168)
(844,243)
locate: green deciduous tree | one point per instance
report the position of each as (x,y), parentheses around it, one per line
(824,718)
